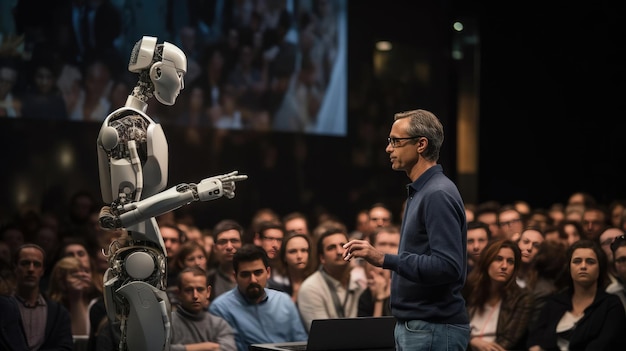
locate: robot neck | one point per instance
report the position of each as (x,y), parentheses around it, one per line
(136,103)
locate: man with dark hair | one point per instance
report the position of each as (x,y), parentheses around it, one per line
(332,291)
(46,323)
(227,238)
(258,314)
(193,328)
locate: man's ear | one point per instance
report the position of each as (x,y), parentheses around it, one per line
(208,291)
(269,272)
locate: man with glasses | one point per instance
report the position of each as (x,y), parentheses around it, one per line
(429,270)
(618,286)
(510,222)
(227,235)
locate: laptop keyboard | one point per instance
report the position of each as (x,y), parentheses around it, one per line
(299,347)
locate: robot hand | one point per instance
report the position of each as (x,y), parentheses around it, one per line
(228,185)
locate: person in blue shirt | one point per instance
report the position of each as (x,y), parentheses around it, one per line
(256,313)
(429,271)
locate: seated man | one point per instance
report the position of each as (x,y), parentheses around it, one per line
(193,328)
(333,290)
(257,314)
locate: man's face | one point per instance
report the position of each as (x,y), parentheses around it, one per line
(271,240)
(297,225)
(510,223)
(194,292)
(387,242)
(252,278)
(477,239)
(29,269)
(620,262)
(529,244)
(227,243)
(332,251)
(404,155)
(379,217)
(593,222)
(171,240)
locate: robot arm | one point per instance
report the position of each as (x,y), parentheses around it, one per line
(208,189)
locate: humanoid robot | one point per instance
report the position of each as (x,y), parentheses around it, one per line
(133,161)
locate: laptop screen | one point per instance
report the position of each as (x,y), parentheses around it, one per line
(337,334)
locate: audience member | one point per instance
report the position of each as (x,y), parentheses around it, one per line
(296,222)
(12,337)
(618,286)
(261,215)
(173,238)
(605,240)
(616,208)
(375,300)
(193,327)
(361,225)
(510,222)
(332,291)
(379,215)
(46,323)
(528,244)
(228,235)
(498,308)
(10,103)
(190,254)
(585,316)
(298,263)
(42,99)
(594,220)
(487,212)
(258,314)
(547,274)
(572,230)
(270,237)
(478,236)
(72,286)
(540,218)
(556,211)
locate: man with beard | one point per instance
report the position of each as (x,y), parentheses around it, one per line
(257,314)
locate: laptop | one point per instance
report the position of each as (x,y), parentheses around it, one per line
(359,333)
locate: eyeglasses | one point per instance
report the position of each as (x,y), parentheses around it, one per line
(394,141)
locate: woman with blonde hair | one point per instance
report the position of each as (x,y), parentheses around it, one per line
(71,285)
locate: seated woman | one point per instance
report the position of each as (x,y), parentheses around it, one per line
(498,308)
(297,264)
(71,285)
(584,316)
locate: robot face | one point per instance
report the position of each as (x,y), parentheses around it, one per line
(167,75)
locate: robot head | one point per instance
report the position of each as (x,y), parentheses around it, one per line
(166,63)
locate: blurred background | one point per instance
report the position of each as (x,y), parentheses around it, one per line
(531,97)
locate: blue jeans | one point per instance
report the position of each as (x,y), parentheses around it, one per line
(418,335)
